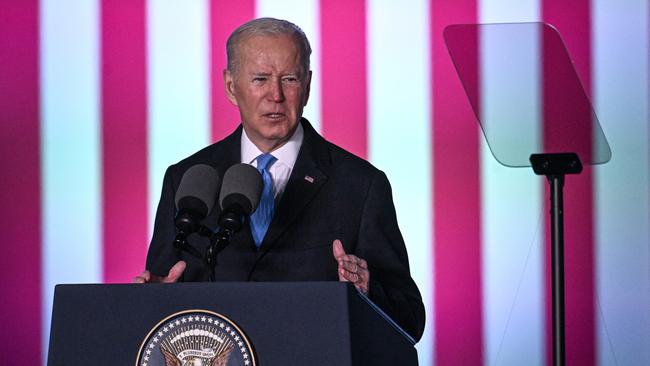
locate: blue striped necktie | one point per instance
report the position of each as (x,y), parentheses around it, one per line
(261,218)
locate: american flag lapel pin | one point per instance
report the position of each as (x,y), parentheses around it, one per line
(309,178)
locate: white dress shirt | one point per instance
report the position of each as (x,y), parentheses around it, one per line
(286,155)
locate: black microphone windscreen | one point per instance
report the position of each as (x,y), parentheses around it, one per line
(197,190)
(241,188)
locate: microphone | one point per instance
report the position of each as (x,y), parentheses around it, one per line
(195,197)
(240,195)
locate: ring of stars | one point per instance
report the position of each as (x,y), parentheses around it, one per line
(190,321)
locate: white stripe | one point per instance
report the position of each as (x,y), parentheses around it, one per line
(622,93)
(178,81)
(71,170)
(511,198)
(513,264)
(305,14)
(399,131)
(509,11)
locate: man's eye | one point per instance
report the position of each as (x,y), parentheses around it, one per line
(259,79)
(290,79)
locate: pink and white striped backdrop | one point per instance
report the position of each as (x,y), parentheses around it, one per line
(98,97)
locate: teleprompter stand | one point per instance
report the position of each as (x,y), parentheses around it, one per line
(533,111)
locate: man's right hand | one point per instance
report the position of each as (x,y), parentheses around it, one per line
(174,274)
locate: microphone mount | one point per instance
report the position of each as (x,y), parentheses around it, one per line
(230,222)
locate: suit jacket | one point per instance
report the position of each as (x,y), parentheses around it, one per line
(331,194)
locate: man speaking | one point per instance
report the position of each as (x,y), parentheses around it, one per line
(325,214)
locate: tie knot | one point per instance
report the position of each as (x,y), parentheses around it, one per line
(264,161)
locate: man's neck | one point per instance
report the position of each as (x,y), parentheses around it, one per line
(286,152)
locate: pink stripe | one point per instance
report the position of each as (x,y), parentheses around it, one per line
(456,192)
(343,65)
(124,138)
(572,19)
(225,16)
(20,198)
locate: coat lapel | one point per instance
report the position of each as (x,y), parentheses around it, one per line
(226,154)
(229,152)
(307,178)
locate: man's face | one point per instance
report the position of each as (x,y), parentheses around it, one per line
(269,88)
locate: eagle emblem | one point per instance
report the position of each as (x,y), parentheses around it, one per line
(196,338)
(221,359)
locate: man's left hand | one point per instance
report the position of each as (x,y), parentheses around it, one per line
(351,268)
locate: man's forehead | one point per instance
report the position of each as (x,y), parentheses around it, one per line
(263,53)
(262,40)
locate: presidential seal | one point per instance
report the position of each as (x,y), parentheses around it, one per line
(196,338)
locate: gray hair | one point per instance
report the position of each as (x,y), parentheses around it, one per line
(267,27)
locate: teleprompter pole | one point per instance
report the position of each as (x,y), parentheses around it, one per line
(556,183)
(555,166)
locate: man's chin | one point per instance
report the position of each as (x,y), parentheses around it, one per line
(276,138)
(279,137)
(278,131)
(271,133)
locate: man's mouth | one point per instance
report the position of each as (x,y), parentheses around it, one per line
(274,115)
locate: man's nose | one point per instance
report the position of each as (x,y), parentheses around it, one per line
(276,92)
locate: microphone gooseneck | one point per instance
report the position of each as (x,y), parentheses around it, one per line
(239,197)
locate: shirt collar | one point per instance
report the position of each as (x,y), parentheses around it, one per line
(286,154)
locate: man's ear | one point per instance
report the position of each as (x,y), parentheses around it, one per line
(229,85)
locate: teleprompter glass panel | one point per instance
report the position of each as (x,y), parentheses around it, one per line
(525,92)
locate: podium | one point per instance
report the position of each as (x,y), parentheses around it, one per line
(287,323)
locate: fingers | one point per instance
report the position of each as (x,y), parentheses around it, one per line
(143,277)
(360,279)
(355,277)
(337,249)
(339,253)
(352,272)
(352,263)
(351,268)
(349,261)
(175,272)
